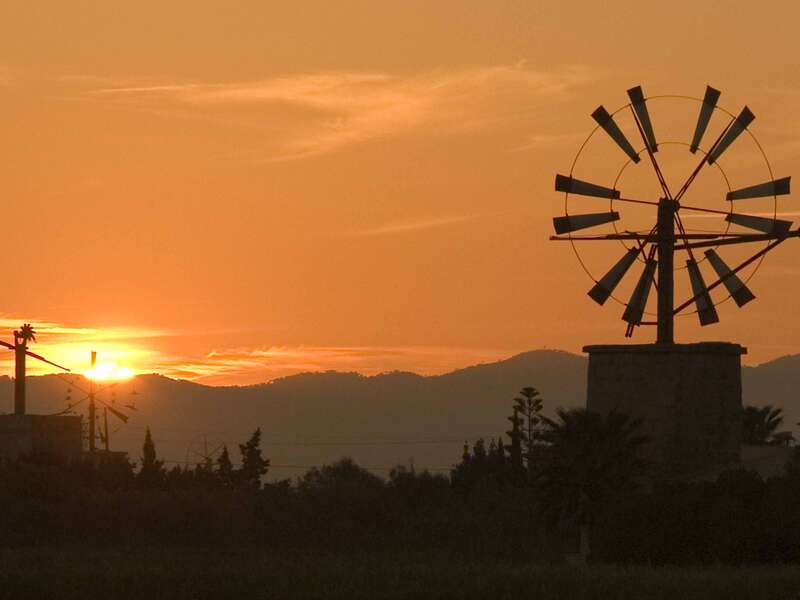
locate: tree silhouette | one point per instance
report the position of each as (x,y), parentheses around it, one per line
(590,458)
(26,333)
(253,464)
(528,407)
(759,425)
(152,471)
(224,471)
(515,452)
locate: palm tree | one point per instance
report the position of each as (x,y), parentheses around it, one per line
(26,333)
(759,425)
(591,457)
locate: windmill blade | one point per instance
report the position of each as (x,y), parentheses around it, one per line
(636,305)
(605,287)
(706,110)
(121,416)
(584,188)
(738,125)
(640,108)
(43,359)
(705,307)
(7,345)
(735,286)
(607,122)
(763,224)
(571,223)
(778,187)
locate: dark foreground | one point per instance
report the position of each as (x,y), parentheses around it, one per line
(176,573)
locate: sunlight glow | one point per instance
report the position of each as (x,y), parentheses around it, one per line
(108,372)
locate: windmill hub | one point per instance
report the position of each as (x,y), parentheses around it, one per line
(689,395)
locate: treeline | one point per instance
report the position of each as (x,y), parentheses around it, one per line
(544,488)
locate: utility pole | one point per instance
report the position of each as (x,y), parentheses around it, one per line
(92,407)
(20,351)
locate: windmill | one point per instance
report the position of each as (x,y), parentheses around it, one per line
(92,394)
(701,164)
(22,337)
(203,452)
(666,235)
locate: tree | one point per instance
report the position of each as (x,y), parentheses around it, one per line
(483,466)
(152,470)
(204,475)
(253,464)
(515,452)
(759,425)
(528,407)
(26,333)
(224,471)
(590,458)
(419,490)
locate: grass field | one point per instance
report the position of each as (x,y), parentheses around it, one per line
(177,573)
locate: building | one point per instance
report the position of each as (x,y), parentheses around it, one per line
(56,437)
(688,396)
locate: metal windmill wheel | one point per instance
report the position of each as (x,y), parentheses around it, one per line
(740,215)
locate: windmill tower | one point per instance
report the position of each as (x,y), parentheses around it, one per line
(689,395)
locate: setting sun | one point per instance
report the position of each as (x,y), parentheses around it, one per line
(108,372)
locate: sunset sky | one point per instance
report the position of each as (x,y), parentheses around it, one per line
(231,192)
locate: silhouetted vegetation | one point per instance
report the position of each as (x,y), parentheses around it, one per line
(760,426)
(531,495)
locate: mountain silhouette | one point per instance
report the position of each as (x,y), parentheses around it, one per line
(381,420)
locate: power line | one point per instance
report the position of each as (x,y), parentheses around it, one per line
(307,467)
(325,443)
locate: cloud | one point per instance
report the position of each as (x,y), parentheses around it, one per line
(250,365)
(138,349)
(340,109)
(538,141)
(412,226)
(70,345)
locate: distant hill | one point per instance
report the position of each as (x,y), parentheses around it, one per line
(381,421)
(312,418)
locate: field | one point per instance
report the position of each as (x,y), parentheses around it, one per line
(74,572)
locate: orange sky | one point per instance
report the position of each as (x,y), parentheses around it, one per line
(233,192)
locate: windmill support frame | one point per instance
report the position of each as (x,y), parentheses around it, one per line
(666,283)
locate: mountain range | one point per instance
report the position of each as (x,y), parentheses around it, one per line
(381,421)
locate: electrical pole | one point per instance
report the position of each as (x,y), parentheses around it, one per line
(20,351)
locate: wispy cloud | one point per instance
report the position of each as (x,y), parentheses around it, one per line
(537,141)
(345,108)
(249,365)
(69,345)
(415,225)
(143,350)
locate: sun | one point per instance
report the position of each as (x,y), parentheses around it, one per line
(109,372)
